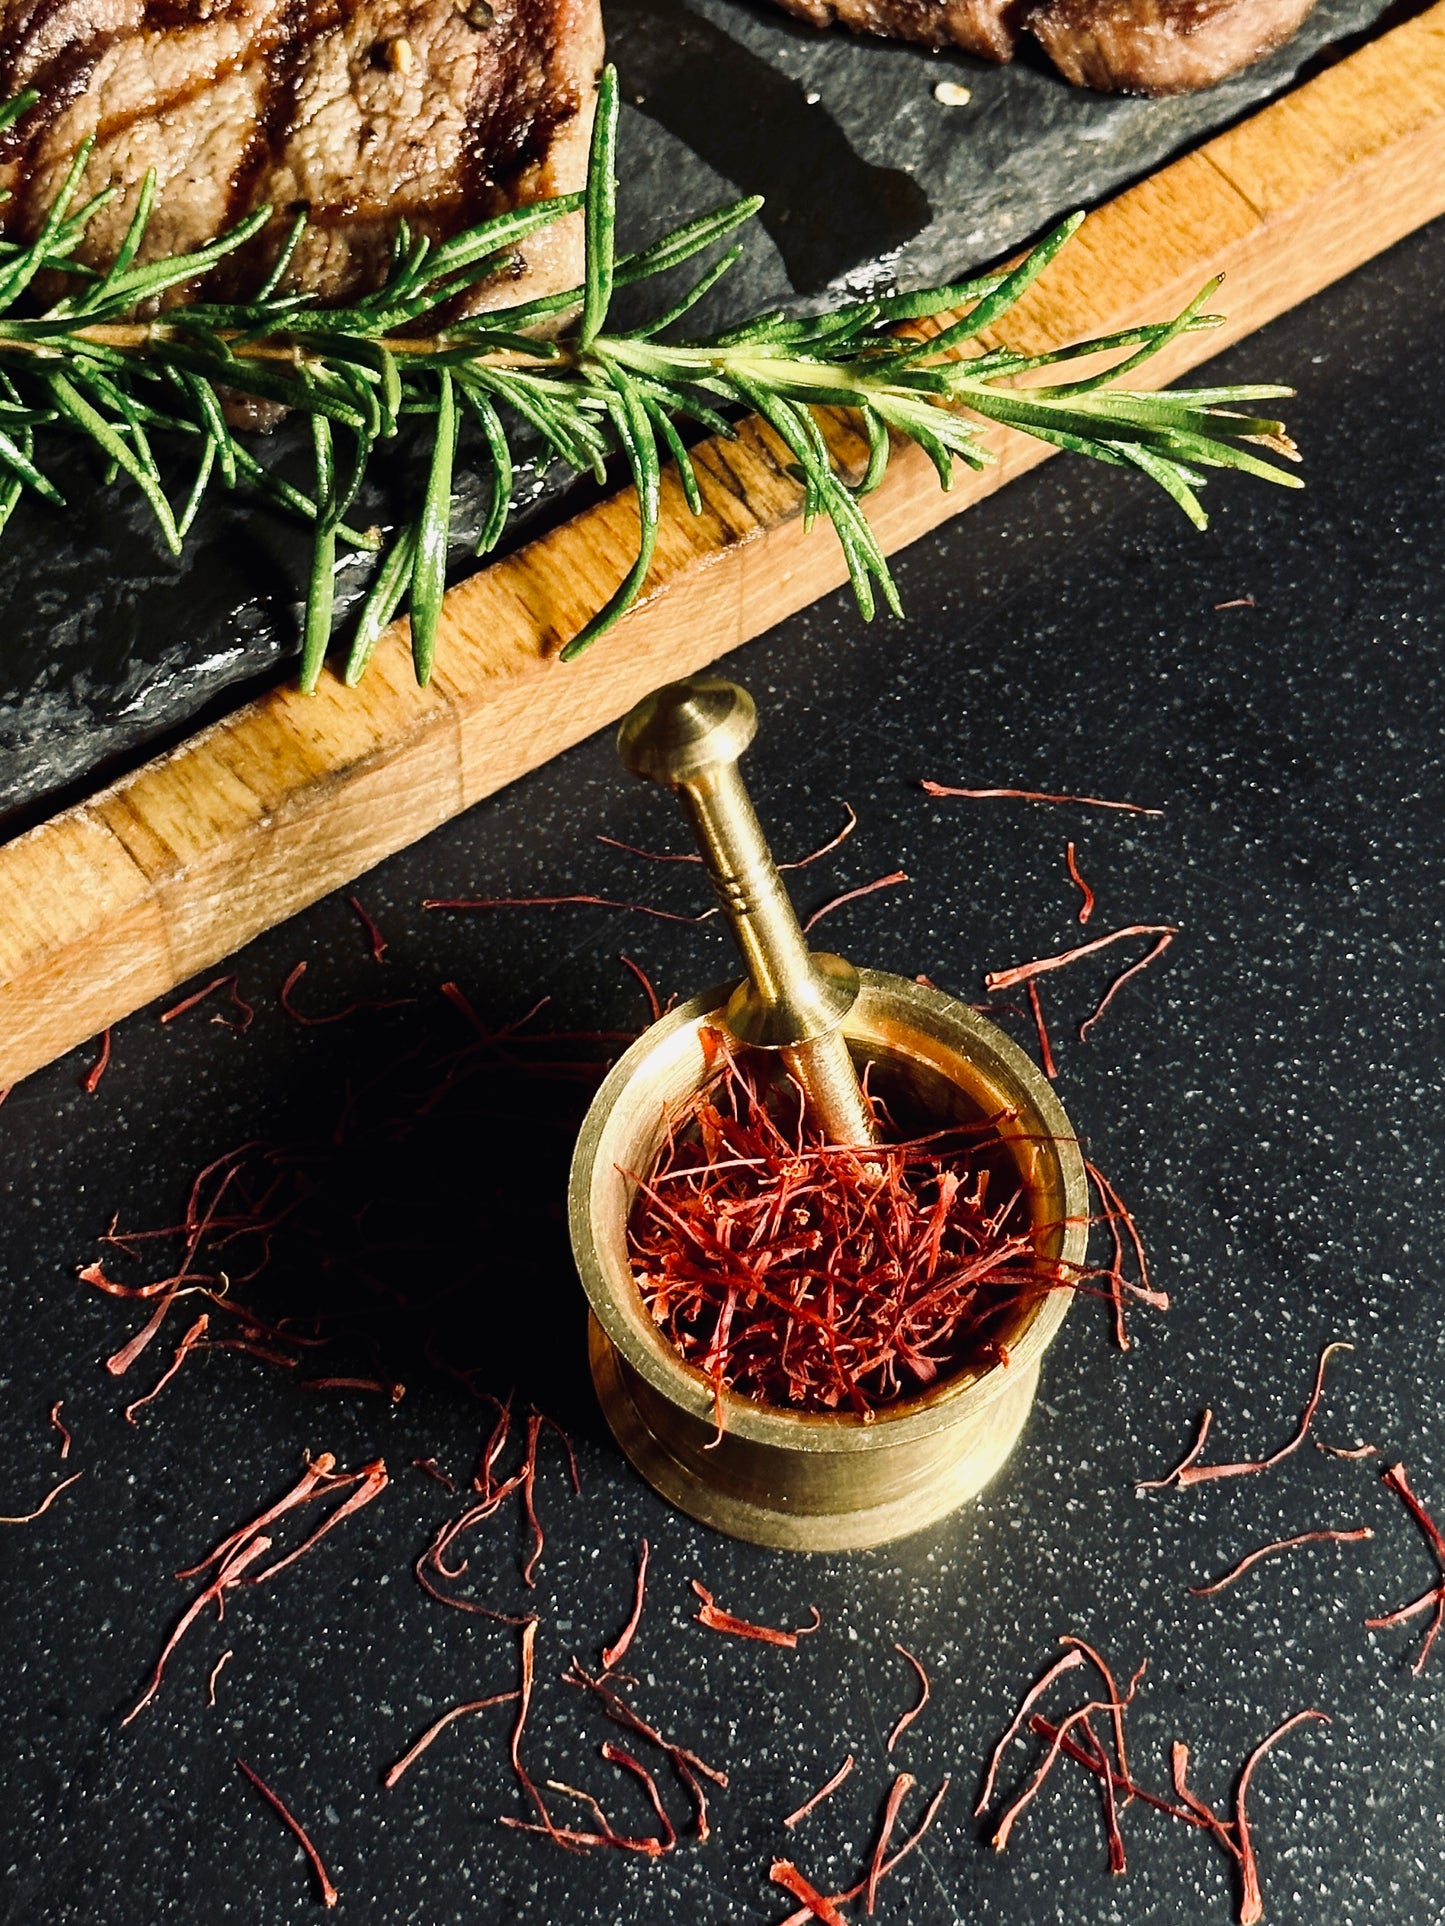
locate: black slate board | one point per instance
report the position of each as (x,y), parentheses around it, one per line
(113,649)
(1267,1098)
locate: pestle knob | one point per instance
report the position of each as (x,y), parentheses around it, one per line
(689,737)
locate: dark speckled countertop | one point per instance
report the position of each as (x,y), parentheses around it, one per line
(1267,1097)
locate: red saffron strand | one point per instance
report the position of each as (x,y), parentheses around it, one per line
(646,985)
(620,1756)
(1113,1836)
(719,1621)
(688,1766)
(691,856)
(997,980)
(524,1701)
(1273,1549)
(1070,1660)
(1086,908)
(890,881)
(622,1643)
(65,1439)
(216,1670)
(785,1874)
(1119,981)
(336,1016)
(212,1593)
(183,1350)
(930,1813)
(1036,796)
(1189,1472)
(1189,1459)
(824,1791)
(90,1082)
(561,902)
(1353,1452)
(1024,1799)
(1097,1763)
(245,1014)
(376,942)
(897,1792)
(329,1894)
(434,1471)
(1046,1049)
(906,1718)
(377,1386)
(29,1517)
(437,1727)
(1116,1703)
(1251,1909)
(1398,1481)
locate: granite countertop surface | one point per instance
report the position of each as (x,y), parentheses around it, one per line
(1267,1098)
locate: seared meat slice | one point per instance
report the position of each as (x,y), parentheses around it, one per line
(988,28)
(360,112)
(1161,46)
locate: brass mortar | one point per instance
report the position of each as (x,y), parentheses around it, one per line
(807,1481)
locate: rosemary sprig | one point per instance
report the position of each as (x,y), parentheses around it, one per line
(98,363)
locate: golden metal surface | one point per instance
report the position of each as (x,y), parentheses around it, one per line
(689,736)
(805,1480)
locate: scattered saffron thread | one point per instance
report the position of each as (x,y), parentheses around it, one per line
(1120,980)
(824,1791)
(561,902)
(437,1727)
(719,1621)
(691,856)
(1279,1545)
(1086,908)
(1190,1472)
(915,1838)
(46,1502)
(90,1082)
(645,984)
(623,1642)
(216,1670)
(906,1718)
(329,1894)
(785,1874)
(997,980)
(1353,1452)
(376,942)
(245,1014)
(688,1766)
(1239,602)
(1395,1477)
(55,1419)
(434,1471)
(377,1387)
(336,1016)
(897,1792)
(1046,1049)
(889,881)
(1069,1662)
(183,1350)
(1036,796)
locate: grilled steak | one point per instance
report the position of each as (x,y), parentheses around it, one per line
(1121,46)
(1161,46)
(988,28)
(359,112)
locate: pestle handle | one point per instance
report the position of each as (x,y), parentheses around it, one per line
(689,736)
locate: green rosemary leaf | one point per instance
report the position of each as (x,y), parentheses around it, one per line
(17,458)
(294,498)
(198,488)
(601,212)
(879,449)
(664,426)
(495,435)
(995,305)
(641,450)
(320,604)
(22,270)
(1177,482)
(11,110)
(134,235)
(127,290)
(429,577)
(283,259)
(497,236)
(384,598)
(213,420)
(702,286)
(685,242)
(73,405)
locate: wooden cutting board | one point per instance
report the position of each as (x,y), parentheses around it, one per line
(117,900)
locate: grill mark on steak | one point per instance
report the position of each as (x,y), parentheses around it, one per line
(987,28)
(302,104)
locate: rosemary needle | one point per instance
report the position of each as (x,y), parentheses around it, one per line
(93,365)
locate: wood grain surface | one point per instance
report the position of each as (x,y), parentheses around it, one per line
(114,901)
